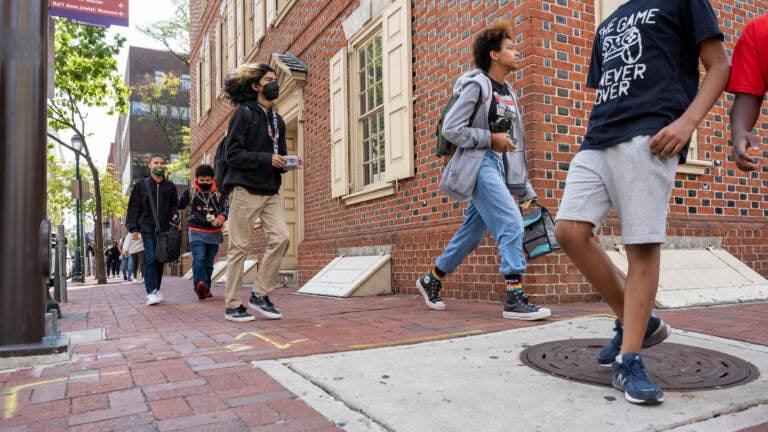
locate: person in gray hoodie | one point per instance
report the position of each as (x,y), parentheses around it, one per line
(489,170)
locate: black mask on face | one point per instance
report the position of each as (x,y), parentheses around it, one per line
(205,186)
(271,90)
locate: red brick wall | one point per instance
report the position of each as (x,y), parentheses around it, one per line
(555,40)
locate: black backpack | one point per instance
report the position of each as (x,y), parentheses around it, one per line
(220,167)
(445,147)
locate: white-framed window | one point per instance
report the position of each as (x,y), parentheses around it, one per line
(372,108)
(603,8)
(204,81)
(185,81)
(159,75)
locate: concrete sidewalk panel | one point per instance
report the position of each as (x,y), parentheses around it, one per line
(479,383)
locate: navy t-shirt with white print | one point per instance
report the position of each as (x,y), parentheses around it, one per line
(645,67)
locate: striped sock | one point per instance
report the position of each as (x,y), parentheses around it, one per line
(514,285)
(435,275)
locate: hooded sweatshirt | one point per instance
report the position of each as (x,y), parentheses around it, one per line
(474,141)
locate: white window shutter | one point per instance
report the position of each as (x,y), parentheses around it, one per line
(219,58)
(398,100)
(258,21)
(271,11)
(240,30)
(207,76)
(339,120)
(232,36)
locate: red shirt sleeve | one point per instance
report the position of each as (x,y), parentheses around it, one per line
(749,70)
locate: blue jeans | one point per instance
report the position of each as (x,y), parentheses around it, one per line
(153,270)
(490,208)
(127,267)
(202,261)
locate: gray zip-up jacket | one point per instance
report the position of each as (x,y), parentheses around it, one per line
(473,142)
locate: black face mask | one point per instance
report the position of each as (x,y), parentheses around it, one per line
(271,90)
(205,186)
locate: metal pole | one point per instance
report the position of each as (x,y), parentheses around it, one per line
(23,69)
(62,265)
(78,273)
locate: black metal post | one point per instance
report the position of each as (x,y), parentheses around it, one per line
(23,69)
(78,273)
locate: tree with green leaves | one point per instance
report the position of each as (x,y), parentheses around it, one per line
(173,32)
(86,75)
(59,189)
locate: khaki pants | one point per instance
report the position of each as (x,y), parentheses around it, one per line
(244,211)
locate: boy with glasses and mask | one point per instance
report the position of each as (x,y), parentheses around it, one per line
(255,152)
(208,210)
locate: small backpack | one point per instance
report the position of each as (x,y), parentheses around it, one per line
(220,167)
(445,147)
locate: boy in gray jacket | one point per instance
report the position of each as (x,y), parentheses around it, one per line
(489,170)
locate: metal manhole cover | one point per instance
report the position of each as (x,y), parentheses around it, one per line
(673,367)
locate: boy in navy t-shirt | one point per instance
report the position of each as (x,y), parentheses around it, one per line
(645,68)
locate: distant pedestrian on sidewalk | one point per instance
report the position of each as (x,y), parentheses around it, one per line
(141,219)
(255,156)
(489,170)
(126,264)
(208,209)
(136,250)
(112,259)
(749,82)
(645,67)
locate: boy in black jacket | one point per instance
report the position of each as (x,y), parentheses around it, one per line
(256,157)
(140,219)
(207,213)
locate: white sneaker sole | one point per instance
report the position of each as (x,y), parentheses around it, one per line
(266,314)
(153,302)
(435,306)
(541,313)
(241,319)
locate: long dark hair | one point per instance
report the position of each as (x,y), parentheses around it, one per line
(238,83)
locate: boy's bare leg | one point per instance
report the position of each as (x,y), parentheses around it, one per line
(576,240)
(639,293)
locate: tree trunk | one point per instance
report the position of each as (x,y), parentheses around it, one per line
(98,249)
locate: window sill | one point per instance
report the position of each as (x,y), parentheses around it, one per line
(375,191)
(694,166)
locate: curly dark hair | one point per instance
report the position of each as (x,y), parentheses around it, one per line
(489,39)
(238,83)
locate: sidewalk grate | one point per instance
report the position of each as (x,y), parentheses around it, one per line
(673,367)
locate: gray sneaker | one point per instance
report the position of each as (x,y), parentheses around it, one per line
(518,307)
(429,287)
(238,314)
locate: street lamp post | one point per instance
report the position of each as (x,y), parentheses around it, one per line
(77,276)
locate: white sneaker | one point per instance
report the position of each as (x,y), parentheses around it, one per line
(154,298)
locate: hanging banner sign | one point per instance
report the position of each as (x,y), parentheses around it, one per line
(98,13)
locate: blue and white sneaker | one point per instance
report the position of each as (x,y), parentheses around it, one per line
(655,333)
(630,377)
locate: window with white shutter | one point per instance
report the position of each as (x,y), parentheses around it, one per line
(372,128)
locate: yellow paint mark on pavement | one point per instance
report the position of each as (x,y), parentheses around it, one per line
(268,340)
(418,339)
(12,398)
(237,347)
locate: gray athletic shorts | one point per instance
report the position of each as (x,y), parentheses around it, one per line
(626,177)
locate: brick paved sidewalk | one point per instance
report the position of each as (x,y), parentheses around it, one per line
(180,366)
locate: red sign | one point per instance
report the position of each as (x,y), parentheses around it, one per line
(100,13)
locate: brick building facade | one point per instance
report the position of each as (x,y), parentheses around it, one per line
(362,83)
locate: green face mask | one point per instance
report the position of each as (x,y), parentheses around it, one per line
(158,172)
